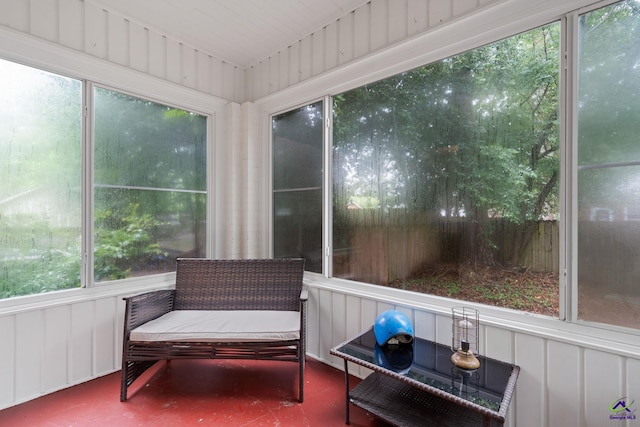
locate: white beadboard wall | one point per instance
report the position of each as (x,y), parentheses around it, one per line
(85,27)
(378,25)
(562,382)
(53,344)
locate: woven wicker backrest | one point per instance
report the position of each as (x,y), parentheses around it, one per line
(249,284)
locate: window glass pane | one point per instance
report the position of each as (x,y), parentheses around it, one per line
(297,184)
(445,177)
(40,181)
(609,166)
(150,186)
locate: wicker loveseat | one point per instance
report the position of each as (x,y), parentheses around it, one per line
(219,309)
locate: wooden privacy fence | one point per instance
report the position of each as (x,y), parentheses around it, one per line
(381,253)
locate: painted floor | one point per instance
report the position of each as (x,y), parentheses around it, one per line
(200,393)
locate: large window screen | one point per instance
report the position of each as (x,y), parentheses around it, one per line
(445,178)
(297,185)
(40,181)
(609,165)
(150,186)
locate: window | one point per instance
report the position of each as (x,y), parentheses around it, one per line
(149,171)
(609,166)
(150,186)
(297,185)
(40,181)
(444,178)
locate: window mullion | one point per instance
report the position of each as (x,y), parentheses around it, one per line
(327,222)
(568,303)
(87,184)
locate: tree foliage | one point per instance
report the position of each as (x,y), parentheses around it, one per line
(469,138)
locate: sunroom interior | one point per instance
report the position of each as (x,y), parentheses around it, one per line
(409,150)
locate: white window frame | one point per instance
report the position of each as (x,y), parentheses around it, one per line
(34,53)
(453,39)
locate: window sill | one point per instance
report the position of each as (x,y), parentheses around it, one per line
(602,337)
(103,290)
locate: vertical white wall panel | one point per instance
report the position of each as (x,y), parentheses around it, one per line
(173,50)
(28,345)
(632,385)
(274,74)
(157,55)
(105,335)
(189,67)
(71,24)
(118,39)
(531,403)
(44,19)
(253,201)
(331,52)
(460,7)
(443,329)
(7,360)
(345,30)
(313,321)
(119,332)
(285,68)
(439,11)
(398,21)
(56,347)
(215,75)
(306,55)
(338,318)
(203,70)
(138,47)
(95,24)
(564,385)
(317,49)
(325,311)
(496,342)
(417,12)
(238,83)
(379,24)
(229,86)
(603,385)
(361,30)
(82,330)
(294,63)
(16,15)
(425,325)
(353,317)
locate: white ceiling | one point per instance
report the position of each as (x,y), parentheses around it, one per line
(240,32)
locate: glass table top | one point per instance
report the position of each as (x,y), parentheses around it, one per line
(427,364)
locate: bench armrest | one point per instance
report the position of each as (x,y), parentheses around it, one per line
(147,306)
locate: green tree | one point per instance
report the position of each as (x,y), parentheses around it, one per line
(468,138)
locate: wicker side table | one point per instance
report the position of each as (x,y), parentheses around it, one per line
(431,391)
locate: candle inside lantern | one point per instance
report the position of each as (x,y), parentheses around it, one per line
(465,338)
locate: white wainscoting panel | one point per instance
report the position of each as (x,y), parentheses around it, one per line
(377,25)
(89,28)
(51,346)
(560,383)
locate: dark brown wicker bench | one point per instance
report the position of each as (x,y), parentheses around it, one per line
(219,287)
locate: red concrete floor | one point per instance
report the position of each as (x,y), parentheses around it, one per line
(200,393)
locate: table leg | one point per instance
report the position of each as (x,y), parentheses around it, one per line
(346,382)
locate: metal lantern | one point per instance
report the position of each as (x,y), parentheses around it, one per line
(465,326)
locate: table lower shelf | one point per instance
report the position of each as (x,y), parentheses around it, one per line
(401,404)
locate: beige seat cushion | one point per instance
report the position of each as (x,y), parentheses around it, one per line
(221,326)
